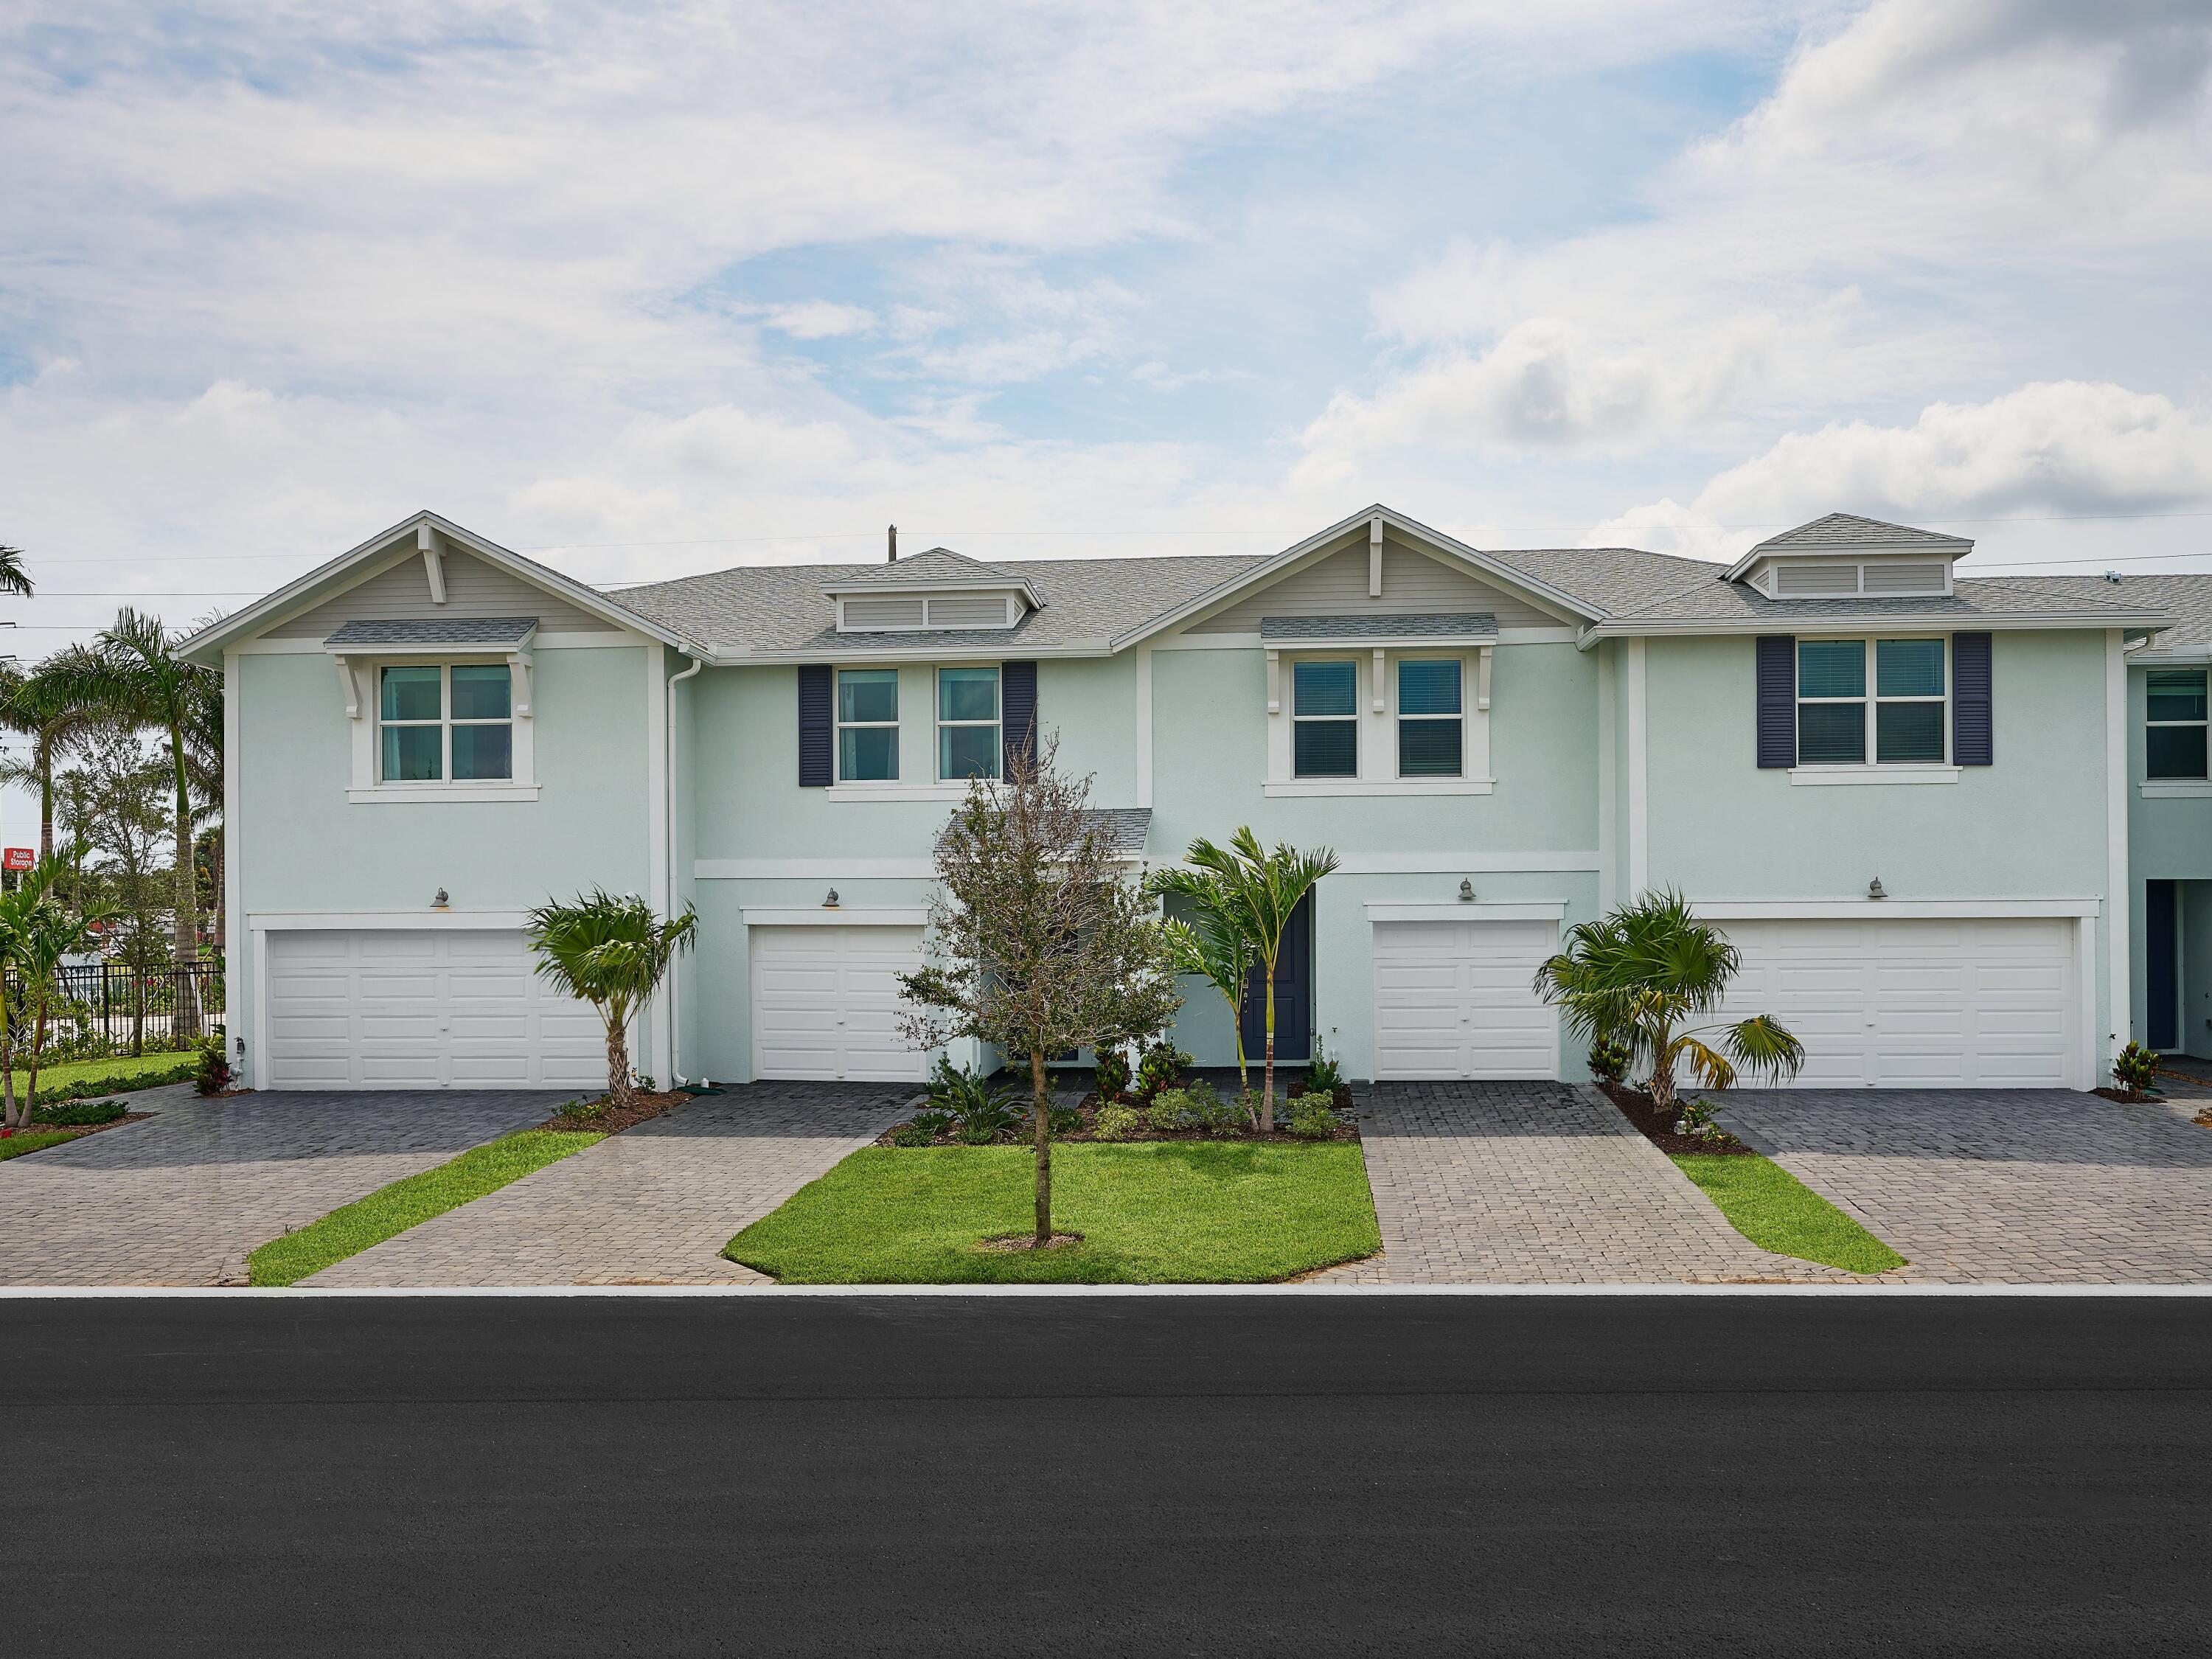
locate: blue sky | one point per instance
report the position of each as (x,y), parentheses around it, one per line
(662,288)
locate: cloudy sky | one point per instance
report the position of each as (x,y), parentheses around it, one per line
(649,288)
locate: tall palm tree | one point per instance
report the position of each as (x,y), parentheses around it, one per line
(1258,892)
(1643,976)
(52,705)
(141,676)
(1211,946)
(612,953)
(13,578)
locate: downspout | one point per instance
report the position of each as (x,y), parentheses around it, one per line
(675,969)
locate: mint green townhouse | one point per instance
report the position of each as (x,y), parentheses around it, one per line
(1958,827)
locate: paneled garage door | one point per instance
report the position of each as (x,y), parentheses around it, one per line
(443,1009)
(826,1002)
(1918,1003)
(1453,1000)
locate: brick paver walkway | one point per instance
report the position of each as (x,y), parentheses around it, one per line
(653,1205)
(1538,1183)
(2016,1186)
(184,1197)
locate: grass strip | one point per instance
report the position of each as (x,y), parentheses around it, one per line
(390,1211)
(1164,1212)
(1777,1212)
(109,1076)
(35,1140)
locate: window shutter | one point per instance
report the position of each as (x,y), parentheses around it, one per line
(1778,699)
(817,731)
(1017,710)
(1973,739)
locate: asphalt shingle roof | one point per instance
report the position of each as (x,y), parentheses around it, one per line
(1435,625)
(2189,598)
(438,631)
(1849,530)
(939,567)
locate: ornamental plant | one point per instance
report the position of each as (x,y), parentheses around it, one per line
(612,952)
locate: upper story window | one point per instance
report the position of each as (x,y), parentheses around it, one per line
(867,725)
(1325,719)
(446,722)
(968,744)
(1431,718)
(2175,720)
(1909,681)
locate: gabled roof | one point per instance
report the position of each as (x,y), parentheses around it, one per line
(2186,600)
(1848,532)
(1435,625)
(444,630)
(206,646)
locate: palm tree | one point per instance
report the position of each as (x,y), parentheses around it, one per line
(1211,947)
(52,705)
(612,953)
(1642,975)
(35,934)
(51,933)
(13,578)
(1258,892)
(141,676)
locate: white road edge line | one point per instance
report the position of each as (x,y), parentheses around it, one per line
(122,1292)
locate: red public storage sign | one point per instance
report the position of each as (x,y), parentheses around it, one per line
(18,858)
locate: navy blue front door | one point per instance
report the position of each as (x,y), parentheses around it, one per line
(2161,987)
(1293,994)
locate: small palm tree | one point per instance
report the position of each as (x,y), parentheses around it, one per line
(1257,893)
(1643,976)
(1211,947)
(53,706)
(612,953)
(36,934)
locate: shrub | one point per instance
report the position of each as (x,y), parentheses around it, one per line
(986,1119)
(1165,1113)
(933,1124)
(958,1093)
(1162,1067)
(1696,1120)
(1119,1123)
(81,1116)
(1608,1061)
(1207,1110)
(583,1111)
(1113,1074)
(2135,1067)
(1322,1073)
(1061,1121)
(911,1134)
(214,1075)
(1312,1117)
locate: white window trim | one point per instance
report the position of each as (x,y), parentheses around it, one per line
(2150,725)
(1360,741)
(363,676)
(840,725)
(997,722)
(1376,697)
(1871,770)
(2175,789)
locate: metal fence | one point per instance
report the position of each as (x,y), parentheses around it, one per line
(106,1003)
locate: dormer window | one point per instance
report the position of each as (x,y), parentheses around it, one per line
(932,593)
(1844,556)
(913,612)
(1836,579)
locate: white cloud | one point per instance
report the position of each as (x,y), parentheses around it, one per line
(821,319)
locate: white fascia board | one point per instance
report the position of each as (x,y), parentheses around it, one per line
(206,646)
(1268,570)
(1867,909)
(927,589)
(1848,627)
(843,656)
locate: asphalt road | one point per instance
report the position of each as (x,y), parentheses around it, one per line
(1065,1478)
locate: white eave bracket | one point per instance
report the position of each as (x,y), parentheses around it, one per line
(350,685)
(1374,557)
(519,664)
(434,563)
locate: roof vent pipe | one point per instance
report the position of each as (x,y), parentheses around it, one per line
(893,548)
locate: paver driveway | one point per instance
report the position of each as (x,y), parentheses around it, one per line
(651,1205)
(184,1197)
(1538,1183)
(2017,1186)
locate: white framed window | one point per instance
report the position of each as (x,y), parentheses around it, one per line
(867,726)
(968,710)
(1431,717)
(2174,726)
(1398,719)
(438,722)
(1325,718)
(1874,703)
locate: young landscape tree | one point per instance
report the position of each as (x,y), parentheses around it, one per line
(1210,945)
(1642,975)
(611,953)
(1255,893)
(113,827)
(38,933)
(1040,942)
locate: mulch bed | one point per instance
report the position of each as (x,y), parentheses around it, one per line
(613,1122)
(1346,1128)
(2145,1098)
(1658,1127)
(76,1131)
(1013,1241)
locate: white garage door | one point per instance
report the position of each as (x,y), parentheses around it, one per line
(826,1003)
(1453,1000)
(1918,1003)
(397,1009)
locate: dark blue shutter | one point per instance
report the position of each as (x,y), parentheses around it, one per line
(1017,710)
(817,729)
(1778,699)
(1973,737)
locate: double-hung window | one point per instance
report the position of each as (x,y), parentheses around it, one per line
(967,723)
(2174,732)
(1325,719)
(867,726)
(1901,723)
(446,721)
(1431,718)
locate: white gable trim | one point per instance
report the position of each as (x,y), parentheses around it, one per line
(1433,543)
(402,542)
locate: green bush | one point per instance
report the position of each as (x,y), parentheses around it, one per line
(911,1134)
(213,1074)
(962,1094)
(1608,1061)
(1162,1067)
(1113,1074)
(1322,1073)
(934,1123)
(1061,1121)
(1313,1117)
(1165,1113)
(81,1116)
(1119,1123)
(2136,1069)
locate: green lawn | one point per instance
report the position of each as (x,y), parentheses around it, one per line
(392,1209)
(35,1140)
(96,1077)
(1777,1212)
(1160,1212)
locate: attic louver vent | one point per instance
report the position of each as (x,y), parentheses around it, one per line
(882,613)
(1904,579)
(1810,581)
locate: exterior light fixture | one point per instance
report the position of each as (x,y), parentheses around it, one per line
(1466,890)
(830,903)
(441,902)
(1874,888)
